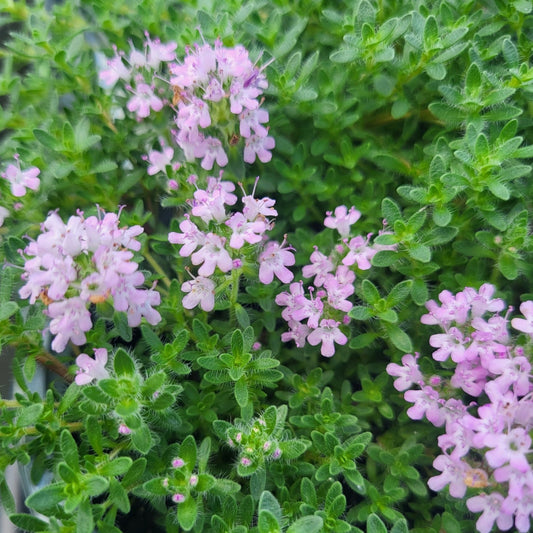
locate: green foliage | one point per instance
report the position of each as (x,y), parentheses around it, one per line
(417,113)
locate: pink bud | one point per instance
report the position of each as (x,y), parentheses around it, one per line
(124,430)
(178,462)
(178,498)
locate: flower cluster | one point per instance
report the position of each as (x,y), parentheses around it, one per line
(256,444)
(488,365)
(182,480)
(87,260)
(222,242)
(216,92)
(137,70)
(317,318)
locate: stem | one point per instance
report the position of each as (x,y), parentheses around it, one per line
(49,362)
(71,426)
(9,404)
(148,256)
(235,275)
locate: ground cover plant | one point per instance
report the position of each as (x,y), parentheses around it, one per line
(275,259)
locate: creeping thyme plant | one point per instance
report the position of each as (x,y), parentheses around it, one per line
(270,262)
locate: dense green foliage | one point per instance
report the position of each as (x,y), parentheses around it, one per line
(418,113)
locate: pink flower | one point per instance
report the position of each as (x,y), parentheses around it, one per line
(319,267)
(426,402)
(453,473)
(258,146)
(244,231)
(21,179)
(160,160)
(327,334)
(274,261)
(211,255)
(90,368)
(201,291)
(524,324)
(509,448)
(490,506)
(342,219)
(70,321)
(143,100)
(360,253)
(191,237)
(407,375)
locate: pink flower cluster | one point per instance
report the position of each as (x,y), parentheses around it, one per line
(137,70)
(316,319)
(217,241)
(87,260)
(490,367)
(213,87)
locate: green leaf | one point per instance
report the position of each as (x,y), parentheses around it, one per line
(390,210)
(360,312)
(66,473)
(375,525)
(385,258)
(28,522)
(436,71)
(187,513)
(268,502)
(344,55)
(123,363)
(237,343)
(116,467)
(307,524)
(267,523)
(120,320)
(153,341)
(450,524)
(155,486)
(103,166)
(96,485)
(362,341)
(508,266)
(6,498)
(292,448)
(46,498)
(119,496)
(141,439)
(7,309)
(135,473)
(419,292)
(400,526)
(370,292)
(473,79)
(96,394)
(500,190)
(29,415)
(242,316)
(188,452)
(399,292)
(69,450)
(420,252)
(441,215)
(308,491)
(84,518)
(241,391)
(46,139)
(399,338)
